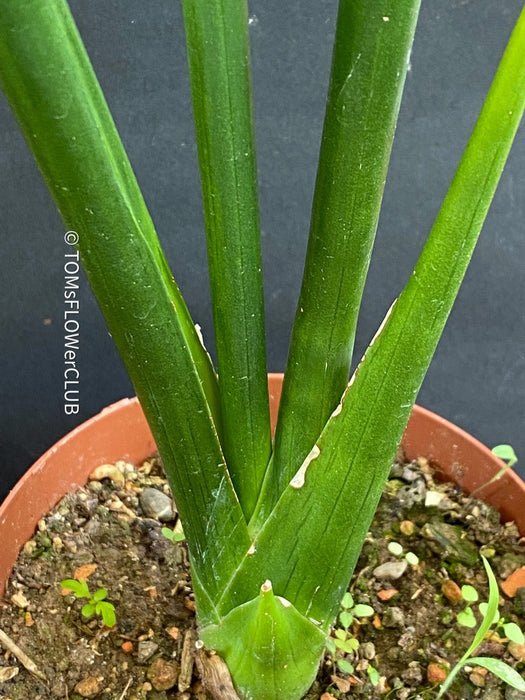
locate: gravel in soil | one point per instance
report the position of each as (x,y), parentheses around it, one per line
(423,546)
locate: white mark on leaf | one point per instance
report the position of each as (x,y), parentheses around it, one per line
(298,481)
(285,603)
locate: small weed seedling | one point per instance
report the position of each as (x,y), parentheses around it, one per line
(397,550)
(490,617)
(96,605)
(175,535)
(507,454)
(343,640)
(510,630)
(466,617)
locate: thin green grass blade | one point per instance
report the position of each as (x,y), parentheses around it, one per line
(48,80)
(500,669)
(371,54)
(219,60)
(486,624)
(309,545)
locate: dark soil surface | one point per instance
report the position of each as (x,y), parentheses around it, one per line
(404,647)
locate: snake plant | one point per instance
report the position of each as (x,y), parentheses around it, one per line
(273,530)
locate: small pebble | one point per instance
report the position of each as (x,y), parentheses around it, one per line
(477,677)
(391,569)
(408,496)
(157,505)
(19,600)
(413,674)
(436,673)
(513,582)
(393,617)
(433,498)
(517,651)
(107,471)
(407,527)
(409,474)
(146,650)
(163,674)
(367,650)
(89,687)
(30,546)
(8,672)
(451,591)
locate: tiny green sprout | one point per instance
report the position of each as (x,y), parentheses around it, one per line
(506,453)
(342,641)
(490,615)
(175,535)
(513,633)
(96,605)
(469,593)
(466,617)
(510,630)
(373,675)
(345,666)
(412,558)
(350,610)
(397,550)
(483,608)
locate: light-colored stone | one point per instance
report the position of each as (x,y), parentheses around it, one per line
(157,505)
(108,471)
(145,651)
(393,617)
(8,672)
(89,687)
(517,651)
(163,674)
(391,569)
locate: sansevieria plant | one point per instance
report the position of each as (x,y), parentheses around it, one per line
(273,530)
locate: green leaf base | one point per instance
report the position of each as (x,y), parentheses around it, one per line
(273,652)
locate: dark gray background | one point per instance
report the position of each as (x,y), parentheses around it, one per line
(477,377)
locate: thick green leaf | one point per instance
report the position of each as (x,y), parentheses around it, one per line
(310,543)
(371,54)
(49,82)
(271,649)
(219,60)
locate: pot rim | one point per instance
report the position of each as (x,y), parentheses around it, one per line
(120,431)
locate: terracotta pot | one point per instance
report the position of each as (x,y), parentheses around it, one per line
(121,432)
